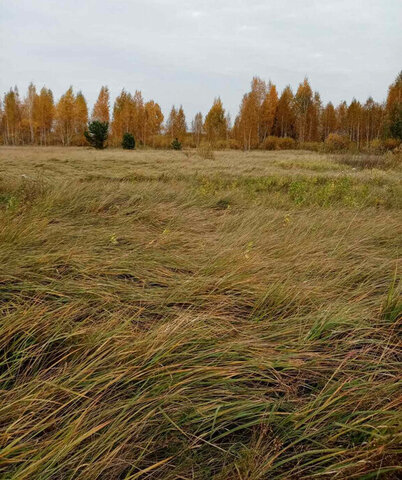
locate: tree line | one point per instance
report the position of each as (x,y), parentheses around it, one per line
(266,119)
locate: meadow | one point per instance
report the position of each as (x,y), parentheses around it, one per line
(169,316)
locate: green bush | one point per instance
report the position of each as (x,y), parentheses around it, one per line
(128,142)
(176,145)
(97,134)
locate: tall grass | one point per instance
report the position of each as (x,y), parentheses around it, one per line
(171,317)
(382,162)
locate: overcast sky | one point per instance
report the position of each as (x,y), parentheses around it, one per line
(188,52)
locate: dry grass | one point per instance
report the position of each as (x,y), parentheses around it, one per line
(171,317)
(379,162)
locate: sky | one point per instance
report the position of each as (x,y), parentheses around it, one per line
(189,52)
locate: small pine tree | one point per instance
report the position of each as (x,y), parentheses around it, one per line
(97,134)
(176,145)
(128,142)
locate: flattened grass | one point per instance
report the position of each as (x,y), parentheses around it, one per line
(170,317)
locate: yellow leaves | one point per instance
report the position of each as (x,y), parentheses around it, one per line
(176,125)
(215,124)
(153,119)
(113,239)
(72,117)
(132,115)
(101,108)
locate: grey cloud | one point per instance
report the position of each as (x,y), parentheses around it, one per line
(189,52)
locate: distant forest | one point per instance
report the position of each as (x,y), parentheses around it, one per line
(266,120)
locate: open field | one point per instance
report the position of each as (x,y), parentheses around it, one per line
(165,316)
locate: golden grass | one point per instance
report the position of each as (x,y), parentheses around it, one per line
(166,316)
